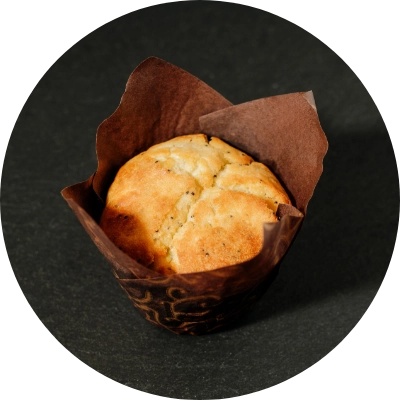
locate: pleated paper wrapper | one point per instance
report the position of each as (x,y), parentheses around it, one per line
(162,101)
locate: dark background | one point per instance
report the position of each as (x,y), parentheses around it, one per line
(327,280)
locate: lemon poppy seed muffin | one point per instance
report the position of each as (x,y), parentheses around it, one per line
(191,204)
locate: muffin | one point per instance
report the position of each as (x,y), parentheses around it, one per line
(160,102)
(191,204)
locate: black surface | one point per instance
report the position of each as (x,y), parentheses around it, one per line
(326,282)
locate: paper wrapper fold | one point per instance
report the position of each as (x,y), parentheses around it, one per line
(162,101)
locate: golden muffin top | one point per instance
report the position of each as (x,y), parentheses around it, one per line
(191,204)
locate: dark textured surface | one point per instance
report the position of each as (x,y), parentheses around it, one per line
(326,282)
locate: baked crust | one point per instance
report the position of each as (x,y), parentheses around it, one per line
(191,204)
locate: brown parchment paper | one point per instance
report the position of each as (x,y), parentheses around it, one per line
(162,101)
